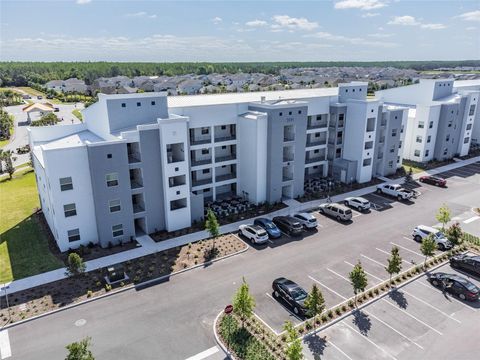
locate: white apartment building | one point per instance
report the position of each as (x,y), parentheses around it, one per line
(440,118)
(146,162)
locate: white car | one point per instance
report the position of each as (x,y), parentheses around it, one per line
(358,203)
(307,220)
(422,231)
(254,233)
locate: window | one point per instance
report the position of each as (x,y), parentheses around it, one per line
(153,102)
(430,125)
(319,117)
(280,114)
(394,132)
(341,117)
(427,152)
(112,179)
(223,127)
(421,124)
(109,156)
(205,151)
(299,111)
(472,110)
(69,210)
(316,151)
(224,147)
(117,230)
(73,235)
(429,138)
(392,149)
(124,105)
(400,145)
(398,159)
(416,153)
(205,131)
(447,138)
(450,123)
(114,205)
(206,171)
(419,139)
(390,164)
(139,104)
(66,183)
(401,130)
(289,113)
(367,162)
(466,140)
(445,151)
(469,126)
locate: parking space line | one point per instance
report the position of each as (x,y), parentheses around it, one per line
(375,277)
(270,242)
(450,297)
(406,249)
(339,350)
(278,302)
(203,354)
(341,276)
(389,326)
(285,234)
(387,253)
(356,214)
(472,219)
(326,287)
(413,317)
(408,239)
(370,341)
(5,350)
(265,323)
(429,305)
(375,261)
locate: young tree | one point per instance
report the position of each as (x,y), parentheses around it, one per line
(80,350)
(212,226)
(408,176)
(75,265)
(294,349)
(358,279)
(8,158)
(455,234)
(314,303)
(243,302)
(394,263)
(443,215)
(428,248)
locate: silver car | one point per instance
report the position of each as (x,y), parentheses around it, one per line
(337,211)
(307,220)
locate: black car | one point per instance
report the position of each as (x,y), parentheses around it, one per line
(291,293)
(433,180)
(288,224)
(455,285)
(467,263)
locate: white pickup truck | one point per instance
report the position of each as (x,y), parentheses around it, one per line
(395,190)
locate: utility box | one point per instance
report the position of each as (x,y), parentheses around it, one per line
(115,274)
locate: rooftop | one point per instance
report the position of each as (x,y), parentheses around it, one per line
(78,139)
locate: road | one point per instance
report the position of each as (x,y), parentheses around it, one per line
(173,320)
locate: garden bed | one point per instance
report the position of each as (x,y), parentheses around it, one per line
(35,301)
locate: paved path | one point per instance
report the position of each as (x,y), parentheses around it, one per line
(150,247)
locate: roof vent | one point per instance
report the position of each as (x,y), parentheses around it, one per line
(262,99)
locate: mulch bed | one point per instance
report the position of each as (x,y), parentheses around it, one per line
(51,296)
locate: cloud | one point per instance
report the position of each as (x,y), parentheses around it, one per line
(350,40)
(256,23)
(471,28)
(408,20)
(83,2)
(470,16)
(141,14)
(380,35)
(369,15)
(217,20)
(285,22)
(360,4)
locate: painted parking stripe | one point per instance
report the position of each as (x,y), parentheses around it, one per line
(356,214)
(5,350)
(340,276)
(326,287)
(265,323)
(392,328)
(373,276)
(431,306)
(370,341)
(339,350)
(387,253)
(450,297)
(413,317)
(372,260)
(407,249)
(278,302)
(472,219)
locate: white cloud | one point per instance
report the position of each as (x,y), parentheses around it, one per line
(290,23)
(141,14)
(380,35)
(256,23)
(471,28)
(369,15)
(350,40)
(408,20)
(217,20)
(470,16)
(83,2)
(360,4)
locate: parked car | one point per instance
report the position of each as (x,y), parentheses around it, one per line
(433,180)
(56,109)
(465,262)
(307,220)
(272,230)
(291,293)
(358,203)
(288,224)
(254,233)
(455,285)
(39,97)
(395,190)
(422,231)
(336,211)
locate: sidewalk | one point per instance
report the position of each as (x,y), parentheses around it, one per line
(150,247)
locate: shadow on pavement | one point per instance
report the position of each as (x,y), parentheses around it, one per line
(362,322)
(399,299)
(316,345)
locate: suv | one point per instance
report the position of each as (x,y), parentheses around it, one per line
(254,233)
(268,225)
(307,220)
(467,263)
(358,203)
(291,293)
(288,224)
(422,231)
(336,211)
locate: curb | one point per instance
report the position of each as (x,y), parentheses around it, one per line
(138,286)
(217,338)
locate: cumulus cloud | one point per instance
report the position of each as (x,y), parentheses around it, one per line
(360,4)
(256,23)
(285,22)
(217,20)
(408,20)
(470,16)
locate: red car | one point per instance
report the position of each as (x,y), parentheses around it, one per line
(433,180)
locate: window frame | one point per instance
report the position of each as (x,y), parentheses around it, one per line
(117,232)
(71,212)
(66,184)
(109,181)
(69,236)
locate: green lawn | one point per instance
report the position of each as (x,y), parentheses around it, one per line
(78,114)
(23,245)
(415,170)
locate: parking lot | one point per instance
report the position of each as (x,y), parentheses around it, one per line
(413,322)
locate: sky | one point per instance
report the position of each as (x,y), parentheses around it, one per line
(229,31)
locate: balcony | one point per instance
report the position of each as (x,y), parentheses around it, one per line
(381,140)
(225,133)
(199,141)
(224,177)
(175,181)
(287,177)
(136,180)
(175,153)
(138,203)
(133,152)
(317,122)
(225,158)
(134,158)
(135,185)
(200,182)
(288,133)
(178,204)
(201,162)
(200,136)
(316,142)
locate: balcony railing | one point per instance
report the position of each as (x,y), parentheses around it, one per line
(316,142)
(194,141)
(289,137)
(201,182)
(225,158)
(288,158)
(287,177)
(382,140)
(317,125)
(137,208)
(225,138)
(315,159)
(134,184)
(201,162)
(134,157)
(225,177)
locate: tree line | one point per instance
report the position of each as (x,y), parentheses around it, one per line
(24,73)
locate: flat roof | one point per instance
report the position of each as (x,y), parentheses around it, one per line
(78,139)
(247,97)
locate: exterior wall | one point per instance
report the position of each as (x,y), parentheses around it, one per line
(449,127)
(100,166)
(388,123)
(470,123)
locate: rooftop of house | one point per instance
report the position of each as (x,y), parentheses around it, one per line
(77,139)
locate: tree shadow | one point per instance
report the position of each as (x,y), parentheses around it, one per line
(362,322)
(399,299)
(316,344)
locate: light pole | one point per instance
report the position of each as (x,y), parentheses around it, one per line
(6,287)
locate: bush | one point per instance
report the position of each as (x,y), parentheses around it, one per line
(108,287)
(338,311)
(330,314)
(89,293)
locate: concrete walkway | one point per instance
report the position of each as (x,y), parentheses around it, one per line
(149,246)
